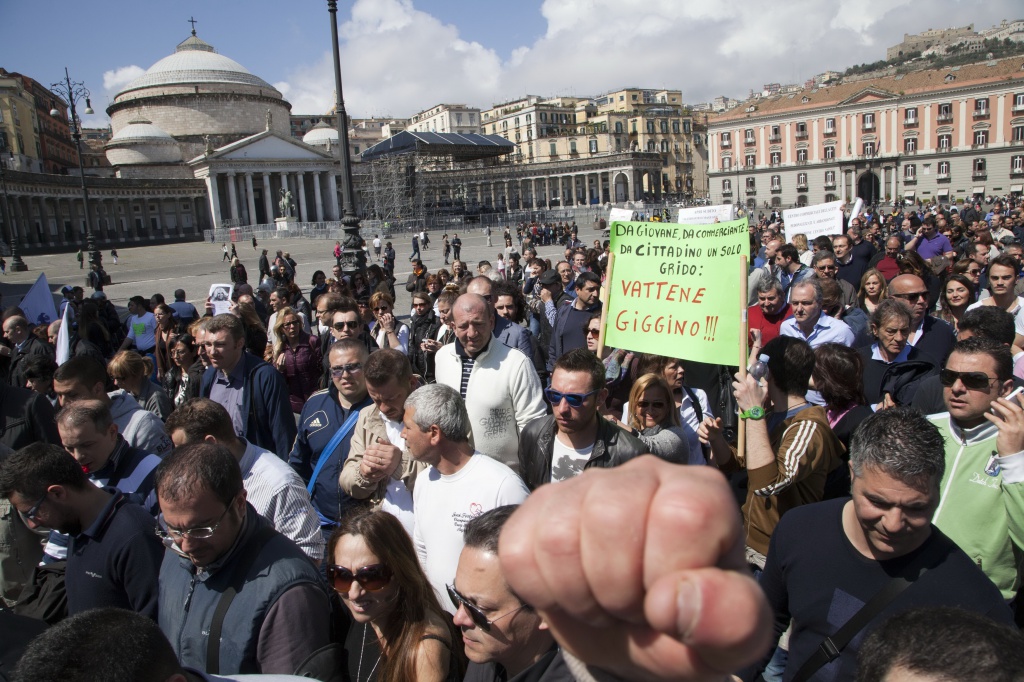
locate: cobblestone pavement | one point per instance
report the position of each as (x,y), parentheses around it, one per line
(194,266)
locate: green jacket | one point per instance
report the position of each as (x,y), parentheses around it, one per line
(981,501)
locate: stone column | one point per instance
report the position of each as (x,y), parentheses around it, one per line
(211,190)
(233,195)
(842,185)
(177,213)
(317,199)
(332,189)
(893,194)
(303,215)
(547,193)
(268,198)
(251,197)
(147,226)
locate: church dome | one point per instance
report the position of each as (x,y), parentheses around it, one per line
(141,142)
(195,61)
(142,131)
(320,135)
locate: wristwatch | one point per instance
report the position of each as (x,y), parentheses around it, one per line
(755,412)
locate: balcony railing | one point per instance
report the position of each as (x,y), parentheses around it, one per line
(776,189)
(775,138)
(910,123)
(801,187)
(942,177)
(1018,108)
(981,113)
(801,135)
(726,192)
(944,118)
(979,175)
(909,181)
(751,190)
(867,126)
(829,133)
(830,184)
(749,141)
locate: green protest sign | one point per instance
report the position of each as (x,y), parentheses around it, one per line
(675,289)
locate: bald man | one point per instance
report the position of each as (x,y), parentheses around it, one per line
(928,334)
(499,384)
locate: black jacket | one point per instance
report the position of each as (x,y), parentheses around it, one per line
(32,346)
(26,417)
(422,327)
(537,442)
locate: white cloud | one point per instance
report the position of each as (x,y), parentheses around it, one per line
(116,79)
(397,59)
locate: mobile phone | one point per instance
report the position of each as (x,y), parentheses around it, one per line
(1013,394)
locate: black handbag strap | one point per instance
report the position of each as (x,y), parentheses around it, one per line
(830,648)
(244,561)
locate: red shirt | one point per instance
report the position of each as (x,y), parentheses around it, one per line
(888,267)
(769,326)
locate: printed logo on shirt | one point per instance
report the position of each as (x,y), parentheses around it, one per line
(91,574)
(990,482)
(499,421)
(460,519)
(317,421)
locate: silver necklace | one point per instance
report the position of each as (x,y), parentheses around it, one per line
(359,669)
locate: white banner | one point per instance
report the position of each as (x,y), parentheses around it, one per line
(814,221)
(624,215)
(38,303)
(705,215)
(64,337)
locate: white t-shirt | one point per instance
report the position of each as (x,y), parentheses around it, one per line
(567,462)
(376,243)
(444,504)
(398,499)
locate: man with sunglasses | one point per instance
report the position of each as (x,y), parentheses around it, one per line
(981,497)
(326,413)
(928,334)
(280,611)
(113,556)
(504,638)
(499,384)
(824,264)
(574,437)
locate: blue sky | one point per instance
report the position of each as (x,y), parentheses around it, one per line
(402,56)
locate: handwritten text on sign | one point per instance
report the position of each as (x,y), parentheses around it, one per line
(675,289)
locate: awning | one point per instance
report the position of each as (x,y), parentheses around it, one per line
(1017,188)
(943,193)
(978,190)
(909,195)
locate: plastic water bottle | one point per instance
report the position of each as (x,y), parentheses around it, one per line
(759,369)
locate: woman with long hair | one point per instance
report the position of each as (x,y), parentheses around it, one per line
(319,284)
(399,630)
(802,248)
(296,357)
(651,416)
(184,379)
(692,403)
(873,290)
(957,293)
(166,330)
(131,371)
(237,272)
(839,377)
(970,269)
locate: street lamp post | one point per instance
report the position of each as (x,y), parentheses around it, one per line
(72,92)
(17,265)
(353,258)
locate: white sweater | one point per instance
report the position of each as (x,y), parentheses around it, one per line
(503,396)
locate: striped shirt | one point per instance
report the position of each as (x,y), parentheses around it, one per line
(277,493)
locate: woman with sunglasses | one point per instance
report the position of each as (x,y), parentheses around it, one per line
(651,416)
(957,294)
(297,357)
(400,632)
(387,331)
(969,268)
(692,403)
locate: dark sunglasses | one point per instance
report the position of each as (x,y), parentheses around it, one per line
(372,578)
(574,399)
(593,332)
(342,326)
(972,381)
(338,371)
(911,296)
(479,619)
(656,404)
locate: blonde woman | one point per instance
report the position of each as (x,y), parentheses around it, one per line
(873,290)
(800,242)
(651,415)
(130,372)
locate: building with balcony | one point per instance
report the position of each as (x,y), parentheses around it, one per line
(446,118)
(934,135)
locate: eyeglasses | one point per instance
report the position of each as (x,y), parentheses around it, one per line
(910,296)
(338,371)
(479,619)
(974,271)
(381,309)
(31,513)
(972,381)
(291,323)
(320,312)
(200,533)
(342,326)
(371,578)
(574,399)
(646,404)
(826,268)
(593,332)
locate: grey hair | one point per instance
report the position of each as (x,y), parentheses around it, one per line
(813,283)
(767,283)
(902,443)
(889,308)
(820,256)
(440,405)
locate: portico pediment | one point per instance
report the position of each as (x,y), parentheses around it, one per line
(264,146)
(868,95)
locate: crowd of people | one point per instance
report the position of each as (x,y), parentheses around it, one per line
(319,484)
